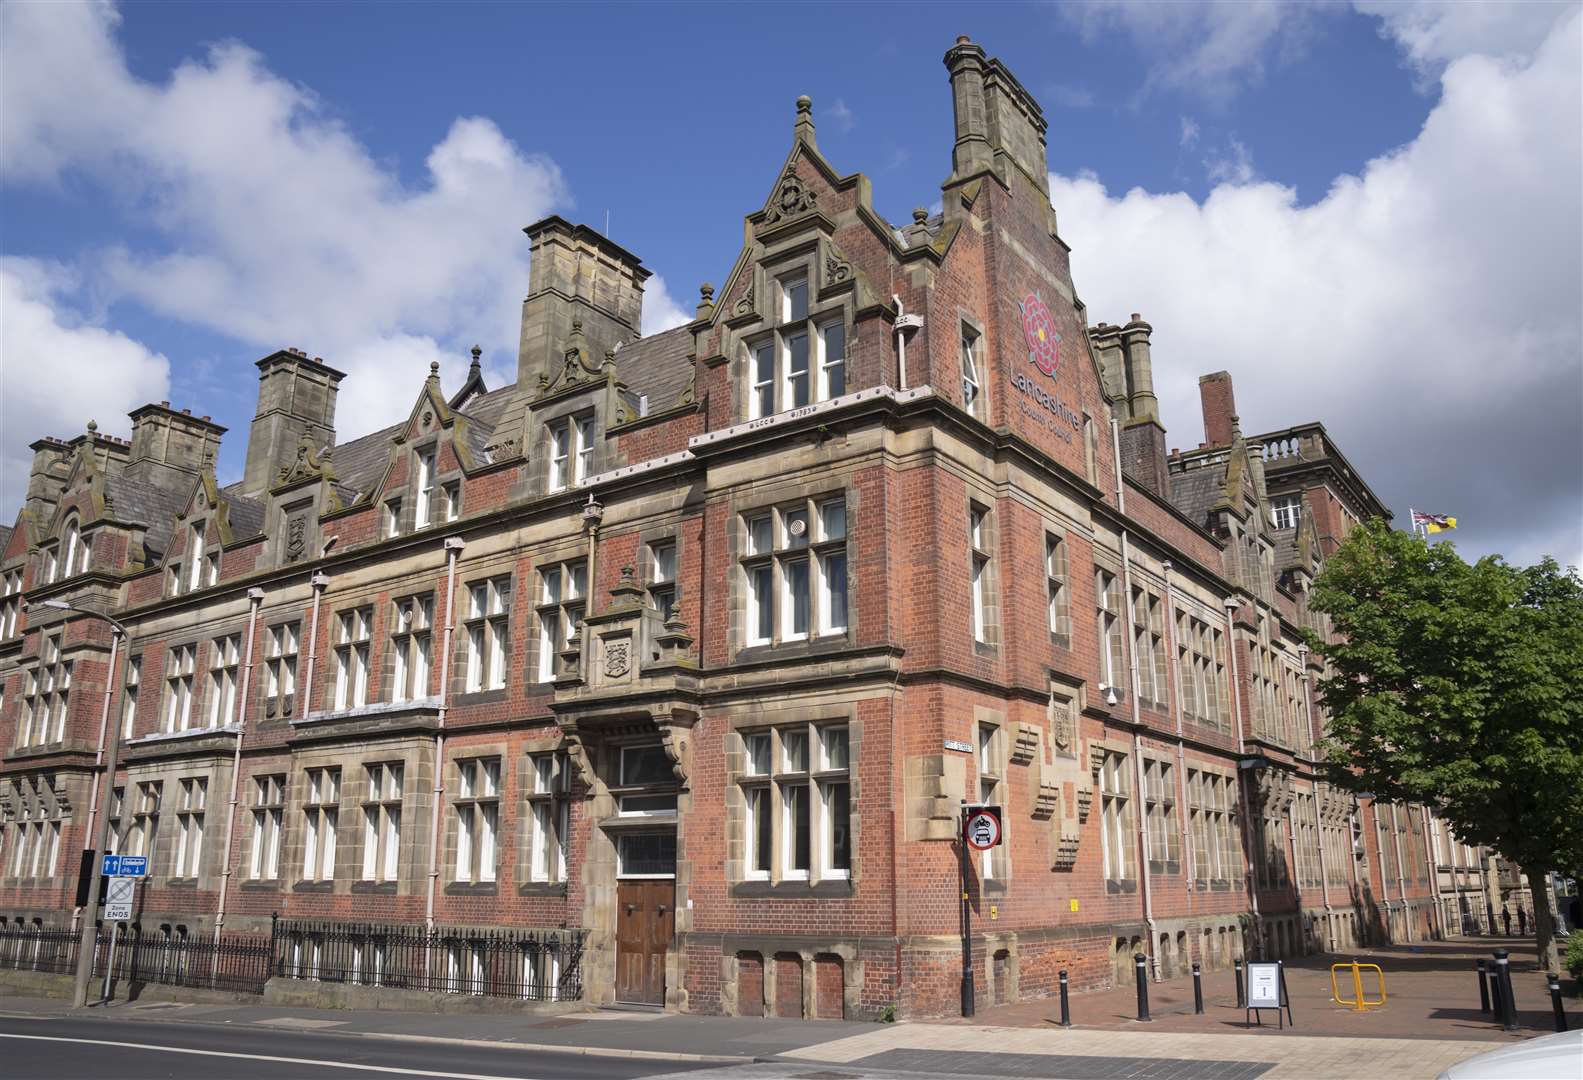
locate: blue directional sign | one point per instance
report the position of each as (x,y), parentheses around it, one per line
(125,866)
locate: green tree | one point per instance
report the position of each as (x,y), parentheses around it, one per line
(1460,687)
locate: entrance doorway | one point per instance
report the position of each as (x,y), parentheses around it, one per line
(645,926)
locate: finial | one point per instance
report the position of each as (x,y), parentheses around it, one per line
(804,104)
(434,369)
(1236,426)
(92,427)
(919,215)
(706,292)
(477,352)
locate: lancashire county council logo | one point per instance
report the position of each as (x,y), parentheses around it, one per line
(1044,344)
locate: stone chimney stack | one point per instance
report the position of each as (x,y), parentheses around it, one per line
(46,480)
(998,123)
(296,398)
(1220,407)
(170,448)
(1141,402)
(576,275)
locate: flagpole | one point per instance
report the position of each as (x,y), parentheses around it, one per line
(1412,520)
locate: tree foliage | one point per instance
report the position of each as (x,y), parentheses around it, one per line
(1458,686)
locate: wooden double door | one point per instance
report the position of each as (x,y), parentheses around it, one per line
(645,927)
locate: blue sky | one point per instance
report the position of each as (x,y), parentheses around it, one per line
(1283,189)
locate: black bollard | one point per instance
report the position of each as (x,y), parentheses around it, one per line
(1066,1006)
(1484,991)
(1554,982)
(1140,964)
(1503,976)
(1198,992)
(1236,967)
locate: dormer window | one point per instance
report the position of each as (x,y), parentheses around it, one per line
(74,551)
(804,358)
(392,519)
(51,565)
(972,367)
(1286,511)
(195,561)
(571,451)
(425,488)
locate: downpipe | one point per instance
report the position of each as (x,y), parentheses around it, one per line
(255,598)
(453,545)
(98,757)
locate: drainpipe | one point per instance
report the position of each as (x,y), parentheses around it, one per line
(453,545)
(1385,877)
(255,597)
(1242,790)
(1458,879)
(98,757)
(1401,874)
(1181,754)
(318,582)
(904,322)
(1137,717)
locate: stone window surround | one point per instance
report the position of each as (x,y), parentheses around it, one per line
(1232,813)
(1153,594)
(801,257)
(445,489)
(455,758)
(41,813)
(1126,831)
(568,411)
(1106,562)
(648,539)
(278,705)
(977,501)
(735,863)
(413,753)
(770,498)
(564,560)
(523,768)
(1170,800)
(164,722)
(399,642)
(461,601)
(969,323)
(992,787)
(1058,588)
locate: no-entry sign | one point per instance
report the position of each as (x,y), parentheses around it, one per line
(981,830)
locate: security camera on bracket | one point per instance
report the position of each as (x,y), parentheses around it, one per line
(1111,697)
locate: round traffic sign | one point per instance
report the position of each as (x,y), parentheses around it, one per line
(983,830)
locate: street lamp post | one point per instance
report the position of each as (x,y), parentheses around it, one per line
(90,911)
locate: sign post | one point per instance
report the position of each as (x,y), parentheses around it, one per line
(981,830)
(1267,990)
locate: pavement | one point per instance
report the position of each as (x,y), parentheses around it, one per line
(1431,1020)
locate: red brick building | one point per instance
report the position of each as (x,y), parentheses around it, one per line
(697,642)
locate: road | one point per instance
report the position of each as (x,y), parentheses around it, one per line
(100,1048)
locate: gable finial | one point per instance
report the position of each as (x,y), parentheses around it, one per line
(434,369)
(477,352)
(802,130)
(93,428)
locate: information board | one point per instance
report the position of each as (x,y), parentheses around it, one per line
(1264,986)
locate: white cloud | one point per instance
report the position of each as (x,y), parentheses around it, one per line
(1232,166)
(274,225)
(1204,46)
(60,371)
(1189,132)
(842,116)
(660,311)
(1433,32)
(1426,309)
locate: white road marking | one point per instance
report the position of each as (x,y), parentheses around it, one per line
(265,1057)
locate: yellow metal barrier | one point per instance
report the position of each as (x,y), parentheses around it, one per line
(1358,1002)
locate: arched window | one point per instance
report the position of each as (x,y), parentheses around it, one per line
(74,552)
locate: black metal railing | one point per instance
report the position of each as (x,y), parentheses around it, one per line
(531,965)
(168,956)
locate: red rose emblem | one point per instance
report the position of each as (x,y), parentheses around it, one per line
(1038,326)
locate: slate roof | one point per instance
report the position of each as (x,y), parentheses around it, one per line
(246,515)
(5,535)
(1286,554)
(1195,491)
(149,505)
(657,366)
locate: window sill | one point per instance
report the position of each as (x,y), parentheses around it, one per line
(825,643)
(1169,867)
(374,888)
(995,886)
(372,709)
(836,887)
(480,697)
(313,887)
(181,883)
(471,888)
(542,888)
(985,648)
(1121,887)
(1061,641)
(190,733)
(261,885)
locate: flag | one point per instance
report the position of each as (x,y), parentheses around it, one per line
(1433,523)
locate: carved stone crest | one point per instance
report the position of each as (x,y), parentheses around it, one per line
(296,536)
(618,658)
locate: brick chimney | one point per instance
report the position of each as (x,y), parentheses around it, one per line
(1220,407)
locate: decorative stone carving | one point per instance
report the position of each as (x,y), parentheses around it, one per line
(1085,803)
(502,449)
(618,658)
(296,536)
(1062,724)
(1026,747)
(306,465)
(792,198)
(1047,801)
(836,269)
(745,306)
(1096,759)
(1065,852)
